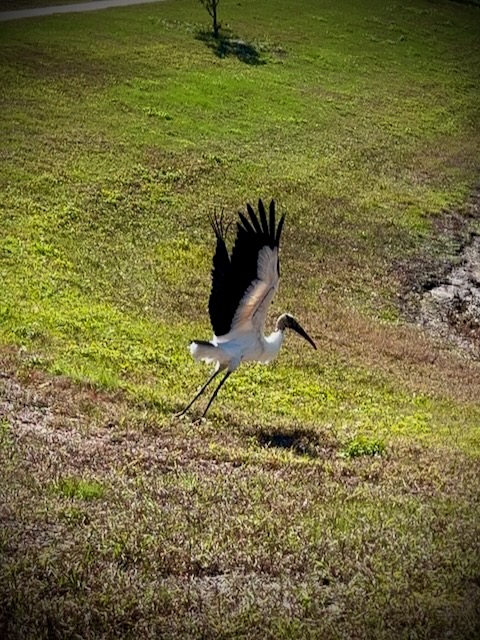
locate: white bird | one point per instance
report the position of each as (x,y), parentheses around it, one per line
(243,286)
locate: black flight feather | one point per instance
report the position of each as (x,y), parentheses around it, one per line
(272,223)
(220,272)
(254,219)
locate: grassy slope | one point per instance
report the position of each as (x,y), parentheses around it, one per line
(121,132)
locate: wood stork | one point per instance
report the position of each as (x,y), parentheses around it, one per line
(243,286)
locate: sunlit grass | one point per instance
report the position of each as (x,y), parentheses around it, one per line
(109,245)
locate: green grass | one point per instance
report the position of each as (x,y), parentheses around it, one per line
(78,488)
(362,446)
(332,494)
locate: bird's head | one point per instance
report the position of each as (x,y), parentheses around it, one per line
(286,321)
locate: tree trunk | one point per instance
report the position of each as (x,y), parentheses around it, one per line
(216,26)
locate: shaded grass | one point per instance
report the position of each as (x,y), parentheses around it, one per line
(226,44)
(266,520)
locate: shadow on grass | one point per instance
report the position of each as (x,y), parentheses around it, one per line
(302,442)
(227,45)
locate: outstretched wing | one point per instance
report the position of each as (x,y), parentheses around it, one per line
(244,284)
(219,304)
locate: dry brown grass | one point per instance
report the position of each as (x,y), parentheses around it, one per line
(417,361)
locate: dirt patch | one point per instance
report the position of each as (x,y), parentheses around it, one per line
(442,283)
(452,308)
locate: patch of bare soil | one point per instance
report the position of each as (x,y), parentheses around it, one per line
(442,284)
(452,308)
(82,431)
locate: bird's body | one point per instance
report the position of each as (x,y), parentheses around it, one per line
(243,286)
(234,348)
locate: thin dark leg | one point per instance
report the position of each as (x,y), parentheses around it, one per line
(215,373)
(222,382)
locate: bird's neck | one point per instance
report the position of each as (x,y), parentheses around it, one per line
(273,342)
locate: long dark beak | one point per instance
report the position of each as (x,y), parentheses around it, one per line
(293,324)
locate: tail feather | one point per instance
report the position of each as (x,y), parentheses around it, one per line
(202,350)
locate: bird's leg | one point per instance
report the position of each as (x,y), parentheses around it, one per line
(181,413)
(214,395)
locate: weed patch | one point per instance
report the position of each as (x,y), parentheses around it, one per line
(363,446)
(78,488)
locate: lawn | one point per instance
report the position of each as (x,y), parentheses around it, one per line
(333,494)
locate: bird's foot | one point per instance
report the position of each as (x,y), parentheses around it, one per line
(183,415)
(180,414)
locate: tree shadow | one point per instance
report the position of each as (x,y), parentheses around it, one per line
(227,45)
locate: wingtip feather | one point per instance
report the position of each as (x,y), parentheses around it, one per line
(272,223)
(279,230)
(263,217)
(254,219)
(216,222)
(246,223)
